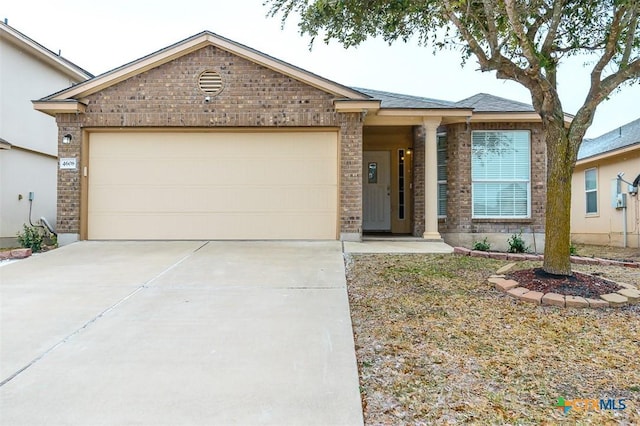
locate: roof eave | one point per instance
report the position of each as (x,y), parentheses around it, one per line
(44,54)
(414,116)
(59,107)
(424,112)
(356,105)
(608,154)
(4,144)
(517,116)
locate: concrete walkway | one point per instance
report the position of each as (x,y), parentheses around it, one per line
(168,333)
(397,246)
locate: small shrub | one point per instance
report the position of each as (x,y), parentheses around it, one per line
(573,250)
(36,237)
(31,237)
(483,245)
(517,244)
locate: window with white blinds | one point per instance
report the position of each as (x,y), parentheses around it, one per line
(501,174)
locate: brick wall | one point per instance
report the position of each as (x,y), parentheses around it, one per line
(418,180)
(351,173)
(68,220)
(252,96)
(169,95)
(459,182)
(458,179)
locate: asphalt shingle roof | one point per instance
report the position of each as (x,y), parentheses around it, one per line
(397,100)
(483,102)
(626,135)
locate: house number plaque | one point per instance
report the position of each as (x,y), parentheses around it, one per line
(68,163)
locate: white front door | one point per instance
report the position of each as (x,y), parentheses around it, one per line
(376,191)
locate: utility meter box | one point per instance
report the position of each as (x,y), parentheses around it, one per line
(621,201)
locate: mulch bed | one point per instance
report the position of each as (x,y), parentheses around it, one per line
(578,284)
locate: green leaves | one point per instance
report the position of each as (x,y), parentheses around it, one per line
(530,34)
(351,22)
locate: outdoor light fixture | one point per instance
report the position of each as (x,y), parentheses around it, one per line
(66,138)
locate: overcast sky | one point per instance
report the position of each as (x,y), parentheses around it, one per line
(99,36)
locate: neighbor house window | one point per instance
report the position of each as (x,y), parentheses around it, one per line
(442,175)
(591,190)
(501,174)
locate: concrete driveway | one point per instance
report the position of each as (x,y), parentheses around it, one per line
(179,333)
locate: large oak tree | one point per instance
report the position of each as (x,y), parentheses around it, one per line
(522,41)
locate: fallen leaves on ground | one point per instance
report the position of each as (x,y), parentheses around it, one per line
(436,344)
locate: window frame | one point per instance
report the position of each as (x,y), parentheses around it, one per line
(442,182)
(402,184)
(590,191)
(527,181)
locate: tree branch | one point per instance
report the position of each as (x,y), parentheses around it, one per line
(609,50)
(556,18)
(525,42)
(504,67)
(474,45)
(631,34)
(598,93)
(492,36)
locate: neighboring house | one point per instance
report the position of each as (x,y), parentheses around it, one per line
(28,139)
(210,139)
(598,196)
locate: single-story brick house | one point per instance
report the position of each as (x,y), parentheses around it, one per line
(210,139)
(599,200)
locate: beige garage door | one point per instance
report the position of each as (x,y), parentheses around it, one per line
(232,185)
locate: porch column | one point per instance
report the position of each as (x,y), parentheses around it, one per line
(430,128)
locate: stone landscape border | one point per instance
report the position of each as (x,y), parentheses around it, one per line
(15,254)
(629,293)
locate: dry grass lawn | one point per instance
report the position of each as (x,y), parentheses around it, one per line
(436,344)
(609,252)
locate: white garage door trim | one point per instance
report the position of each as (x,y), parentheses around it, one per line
(213,185)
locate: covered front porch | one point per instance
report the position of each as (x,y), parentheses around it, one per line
(402,141)
(400,161)
(400,180)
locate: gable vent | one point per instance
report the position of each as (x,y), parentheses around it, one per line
(210,82)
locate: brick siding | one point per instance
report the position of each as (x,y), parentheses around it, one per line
(459,182)
(257,97)
(68,220)
(418,181)
(252,96)
(351,173)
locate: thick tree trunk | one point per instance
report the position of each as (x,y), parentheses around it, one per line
(560,163)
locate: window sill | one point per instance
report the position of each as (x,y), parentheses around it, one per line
(590,215)
(505,220)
